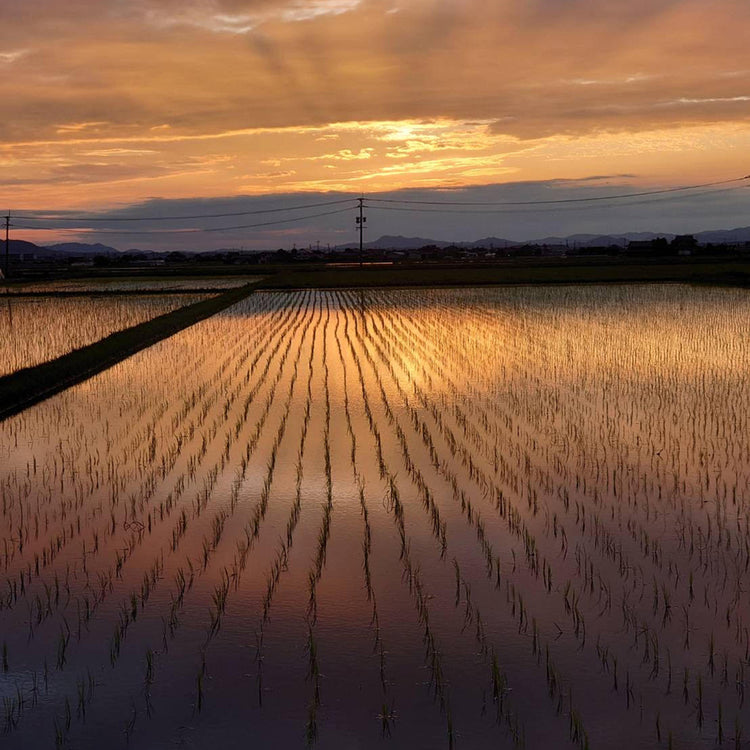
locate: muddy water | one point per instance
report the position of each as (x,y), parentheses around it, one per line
(474,518)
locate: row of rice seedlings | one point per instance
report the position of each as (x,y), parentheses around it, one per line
(387,715)
(122,627)
(280,563)
(318,564)
(504,713)
(112,478)
(250,533)
(96,543)
(521,608)
(219,597)
(666,607)
(251,530)
(412,577)
(221,592)
(512,719)
(313,676)
(324,532)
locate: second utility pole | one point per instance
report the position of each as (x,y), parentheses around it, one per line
(7,244)
(361,219)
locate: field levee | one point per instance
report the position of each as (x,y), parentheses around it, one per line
(723,273)
(24,388)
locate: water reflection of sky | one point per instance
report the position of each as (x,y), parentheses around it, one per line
(470,514)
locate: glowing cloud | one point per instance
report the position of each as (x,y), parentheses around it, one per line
(206,98)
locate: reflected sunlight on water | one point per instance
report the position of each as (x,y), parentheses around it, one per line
(453,518)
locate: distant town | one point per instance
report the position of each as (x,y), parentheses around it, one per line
(28,259)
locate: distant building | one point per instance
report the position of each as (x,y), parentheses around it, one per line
(657,246)
(640,245)
(685,244)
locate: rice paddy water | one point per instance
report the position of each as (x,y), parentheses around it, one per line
(456,518)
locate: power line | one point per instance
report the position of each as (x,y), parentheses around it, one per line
(282,221)
(509,209)
(183,218)
(191,230)
(395,201)
(381,204)
(477,211)
(558,200)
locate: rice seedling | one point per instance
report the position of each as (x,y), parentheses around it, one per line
(149,678)
(581,504)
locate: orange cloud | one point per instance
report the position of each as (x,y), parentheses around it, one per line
(189,97)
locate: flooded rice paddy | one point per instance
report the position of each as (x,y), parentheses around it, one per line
(463,518)
(36,330)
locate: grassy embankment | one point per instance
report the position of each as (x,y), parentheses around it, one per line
(26,387)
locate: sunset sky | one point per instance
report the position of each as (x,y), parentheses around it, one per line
(184,107)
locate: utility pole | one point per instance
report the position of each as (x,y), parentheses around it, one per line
(361,220)
(7,244)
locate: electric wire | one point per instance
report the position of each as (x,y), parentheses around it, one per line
(373,203)
(526,208)
(88,220)
(191,230)
(620,196)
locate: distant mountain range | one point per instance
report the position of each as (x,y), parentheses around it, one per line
(21,247)
(81,248)
(397,242)
(741,234)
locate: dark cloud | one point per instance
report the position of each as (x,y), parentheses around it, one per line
(691,211)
